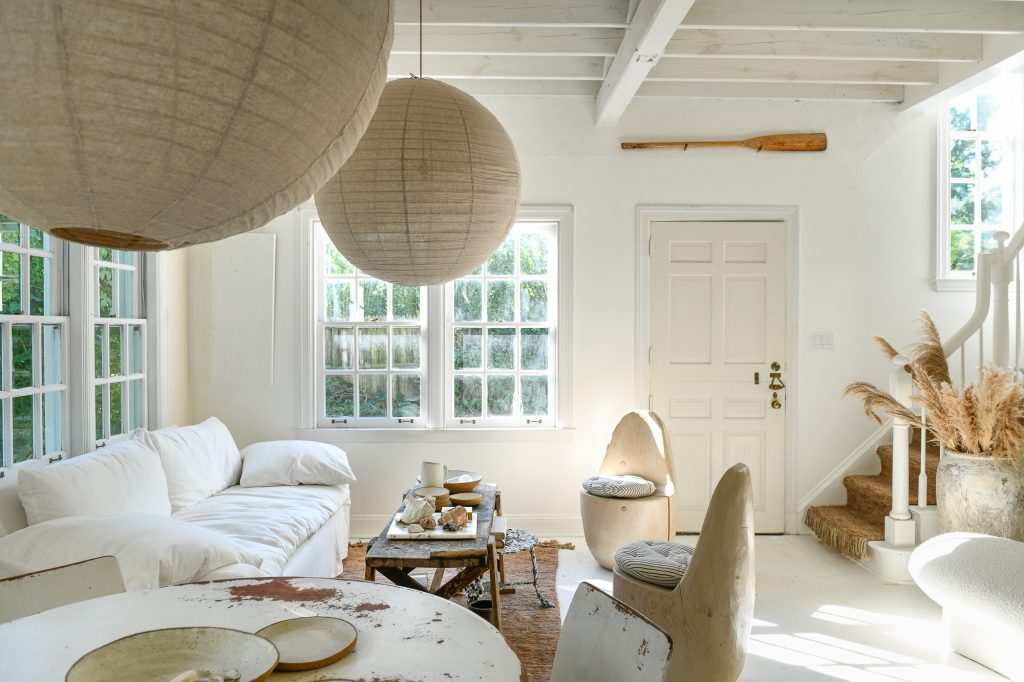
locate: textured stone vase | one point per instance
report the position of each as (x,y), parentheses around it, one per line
(980,495)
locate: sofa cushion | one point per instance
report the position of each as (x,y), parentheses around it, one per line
(654,561)
(268,521)
(199,460)
(619,486)
(294,462)
(151,550)
(122,478)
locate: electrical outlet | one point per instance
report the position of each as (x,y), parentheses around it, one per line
(823,340)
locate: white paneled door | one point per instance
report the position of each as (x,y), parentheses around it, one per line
(718,352)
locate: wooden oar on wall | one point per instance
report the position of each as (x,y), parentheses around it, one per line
(785,142)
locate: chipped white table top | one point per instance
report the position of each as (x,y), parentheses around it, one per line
(404,635)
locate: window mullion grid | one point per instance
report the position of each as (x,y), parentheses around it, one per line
(37,398)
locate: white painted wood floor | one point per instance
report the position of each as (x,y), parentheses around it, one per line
(820,617)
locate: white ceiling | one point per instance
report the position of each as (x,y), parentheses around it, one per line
(879,51)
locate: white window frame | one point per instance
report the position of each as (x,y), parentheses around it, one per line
(434,354)
(945,279)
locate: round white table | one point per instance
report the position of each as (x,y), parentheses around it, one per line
(404,634)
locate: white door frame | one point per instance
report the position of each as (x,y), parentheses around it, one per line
(647,214)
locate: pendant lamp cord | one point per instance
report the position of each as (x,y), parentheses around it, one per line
(421,38)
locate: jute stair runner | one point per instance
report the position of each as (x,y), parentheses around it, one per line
(848,528)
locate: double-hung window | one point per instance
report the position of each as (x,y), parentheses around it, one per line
(33,329)
(487,350)
(980,188)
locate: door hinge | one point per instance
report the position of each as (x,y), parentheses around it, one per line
(649,241)
(650,355)
(650,401)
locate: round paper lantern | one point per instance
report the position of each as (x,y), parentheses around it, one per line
(154,124)
(431,190)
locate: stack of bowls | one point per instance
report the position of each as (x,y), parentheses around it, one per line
(440,496)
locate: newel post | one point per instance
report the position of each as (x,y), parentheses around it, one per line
(900,529)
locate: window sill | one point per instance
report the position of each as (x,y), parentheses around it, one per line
(954,284)
(409,435)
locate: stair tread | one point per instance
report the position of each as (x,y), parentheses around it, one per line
(844,530)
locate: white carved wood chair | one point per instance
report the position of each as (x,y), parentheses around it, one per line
(25,595)
(638,447)
(708,614)
(604,640)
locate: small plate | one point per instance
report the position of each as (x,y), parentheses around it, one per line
(311,642)
(161,655)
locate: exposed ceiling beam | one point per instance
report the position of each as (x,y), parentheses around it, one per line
(553,13)
(491,88)
(654,23)
(786,91)
(1003,54)
(952,16)
(501,67)
(489,40)
(794,71)
(951,47)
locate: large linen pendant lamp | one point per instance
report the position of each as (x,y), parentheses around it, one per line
(154,124)
(431,190)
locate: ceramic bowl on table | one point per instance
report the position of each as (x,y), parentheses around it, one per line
(440,496)
(163,655)
(455,485)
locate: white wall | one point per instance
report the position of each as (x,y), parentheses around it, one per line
(866,211)
(179,401)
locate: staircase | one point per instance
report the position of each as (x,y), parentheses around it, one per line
(850,527)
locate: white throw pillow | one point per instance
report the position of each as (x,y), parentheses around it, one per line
(294,462)
(199,460)
(152,551)
(121,478)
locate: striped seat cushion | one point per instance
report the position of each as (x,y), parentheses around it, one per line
(654,561)
(618,486)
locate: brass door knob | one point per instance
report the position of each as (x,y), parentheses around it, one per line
(776,405)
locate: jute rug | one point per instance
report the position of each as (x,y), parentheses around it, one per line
(530,629)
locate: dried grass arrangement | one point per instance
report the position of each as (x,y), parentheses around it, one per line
(985,418)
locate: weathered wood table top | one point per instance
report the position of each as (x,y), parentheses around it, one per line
(402,634)
(437,553)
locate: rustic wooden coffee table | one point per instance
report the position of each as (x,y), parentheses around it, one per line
(396,559)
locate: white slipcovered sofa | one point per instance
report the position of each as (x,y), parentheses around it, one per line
(977,580)
(181,504)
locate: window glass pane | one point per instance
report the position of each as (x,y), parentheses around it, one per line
(10,230)
(535,395)
(53,421)
(405,347)
(960,114)
(991,159)
(406,302)
(988,112)
(39,285)
(106,292)
(97,344)
(988,240)
(336,263)
(961,250)
(373,395)
(114,335)
(116,409)
(338,392)
(375,299)
(52,356)
(100,413)
(124,257)
(503,260)
(135,349)
(467,396)
(535,349)
(961,159)
(468,296)
(10,281)
(136,409)
(373,348)
(501,348)
(126,293)
(501,393)
(23,428)
(338,347)
(405,395)
(533,253)
(105,255)
(534,301)
(992,205)
(5,457)
(501,301)
(37,239)
(961,203)
(21,355)
(339,301)
(468,350)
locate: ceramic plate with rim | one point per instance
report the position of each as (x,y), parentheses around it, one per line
(162,655)
(310,642)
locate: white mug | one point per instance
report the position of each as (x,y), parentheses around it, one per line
(433,474)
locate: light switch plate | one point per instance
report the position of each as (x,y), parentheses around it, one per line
(823,340)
